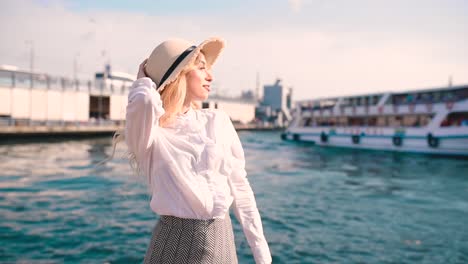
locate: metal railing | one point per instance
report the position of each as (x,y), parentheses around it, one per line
(21,79)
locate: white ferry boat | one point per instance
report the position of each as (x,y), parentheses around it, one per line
(432,121)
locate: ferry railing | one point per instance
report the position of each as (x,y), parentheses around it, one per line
(17,79)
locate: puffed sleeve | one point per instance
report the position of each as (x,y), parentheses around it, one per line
(245,206)
(144,109)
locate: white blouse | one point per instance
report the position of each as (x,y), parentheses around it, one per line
(195,167)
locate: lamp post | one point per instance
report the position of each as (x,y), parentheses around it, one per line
(31,69)
(31,58)
(75,66)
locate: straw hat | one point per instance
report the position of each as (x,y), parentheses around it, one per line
(169,58)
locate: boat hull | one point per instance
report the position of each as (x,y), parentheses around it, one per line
(455,143)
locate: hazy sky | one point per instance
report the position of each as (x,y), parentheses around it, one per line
(320,48)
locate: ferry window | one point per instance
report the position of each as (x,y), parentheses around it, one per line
(417,98)
(99,107)
(372,121)
(54,84)
(323,122)
(394,121)
(356,121)
(409,98)
(40,81)
(66,83)
(402,99)
(382,121)
(343,121)
(411,121)
(455,119)
(448,96)
(375,100)
(427,98)
(23,80)
(205,105)
(462,94)
(389,100)
(306,121)
(424,119)
(319,121)
(6,79)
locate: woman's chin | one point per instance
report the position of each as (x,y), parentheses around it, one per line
(199,97)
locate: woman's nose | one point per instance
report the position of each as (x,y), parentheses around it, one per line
(209,76)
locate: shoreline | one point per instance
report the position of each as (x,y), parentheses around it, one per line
(27,132)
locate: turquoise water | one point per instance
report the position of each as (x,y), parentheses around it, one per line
(318,205)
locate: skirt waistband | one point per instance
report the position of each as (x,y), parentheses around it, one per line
(178,222)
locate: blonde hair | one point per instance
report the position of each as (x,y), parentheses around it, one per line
(173,98)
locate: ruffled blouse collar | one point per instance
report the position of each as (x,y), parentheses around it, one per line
(187,121)
(190,114)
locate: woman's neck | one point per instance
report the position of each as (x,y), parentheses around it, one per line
(186,107)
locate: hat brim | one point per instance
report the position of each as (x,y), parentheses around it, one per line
(211,48)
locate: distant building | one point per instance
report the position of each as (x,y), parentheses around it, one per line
(276,105)
(274,95)
(239,110)
(248,95)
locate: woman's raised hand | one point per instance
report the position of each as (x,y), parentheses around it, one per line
(141,70)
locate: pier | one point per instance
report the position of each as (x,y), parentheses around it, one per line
(7,132)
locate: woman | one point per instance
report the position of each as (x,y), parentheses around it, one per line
(193,159)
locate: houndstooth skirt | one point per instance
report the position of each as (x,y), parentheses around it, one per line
(179,240)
